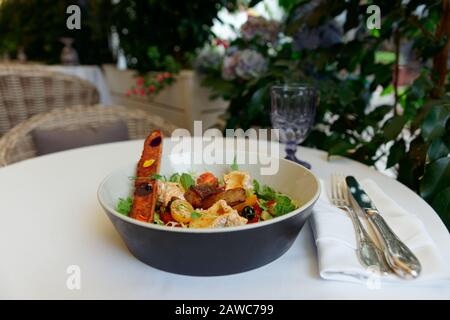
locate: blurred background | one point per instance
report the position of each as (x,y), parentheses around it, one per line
(381,68)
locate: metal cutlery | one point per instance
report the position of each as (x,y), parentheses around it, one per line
(368,253)
(398,256)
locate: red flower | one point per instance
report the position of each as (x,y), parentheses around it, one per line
(135,91)
(142,92)
(160,77)
(167,75)
(140,81)
(151,88)
(129,93)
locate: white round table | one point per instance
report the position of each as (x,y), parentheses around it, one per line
(51,219)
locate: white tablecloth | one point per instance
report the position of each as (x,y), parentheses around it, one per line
(93,74)
(51,219)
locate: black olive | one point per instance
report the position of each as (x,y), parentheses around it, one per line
(155,142)
(143,189)
(248,213)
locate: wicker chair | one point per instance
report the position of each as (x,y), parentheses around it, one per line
(17,144)
(29,90)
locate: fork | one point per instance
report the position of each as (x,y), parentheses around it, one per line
(368,253)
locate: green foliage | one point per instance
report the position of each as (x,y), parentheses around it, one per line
(413,133)
(36,25)
(434,125)
(155,35)
(441,203)
(161,35)
(436,178)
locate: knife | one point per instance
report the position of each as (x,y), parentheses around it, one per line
(398,256)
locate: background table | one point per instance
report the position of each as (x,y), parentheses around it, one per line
(51,219)
(93,74)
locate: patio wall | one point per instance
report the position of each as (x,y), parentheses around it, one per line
(180,103)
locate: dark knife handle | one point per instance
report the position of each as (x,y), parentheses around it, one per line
(399,257)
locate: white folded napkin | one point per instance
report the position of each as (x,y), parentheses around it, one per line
(336,242)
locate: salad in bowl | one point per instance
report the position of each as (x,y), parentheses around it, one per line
(205,201)
(188,200)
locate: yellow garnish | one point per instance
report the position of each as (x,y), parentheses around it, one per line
(148,163)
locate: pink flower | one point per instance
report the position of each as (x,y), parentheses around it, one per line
(135,91)
(167,75)
(223,43)
(129,93)
(160,77)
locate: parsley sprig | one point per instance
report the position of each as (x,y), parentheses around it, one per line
(234,166)
(283,204)
(124,205)
(195,214)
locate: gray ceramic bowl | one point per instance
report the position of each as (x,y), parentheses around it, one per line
(212,252)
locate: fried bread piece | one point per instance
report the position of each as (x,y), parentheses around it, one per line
(146,187)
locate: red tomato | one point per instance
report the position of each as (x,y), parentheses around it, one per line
(207,178)
(258,209)
(254,220)
(270,203)
(166,217)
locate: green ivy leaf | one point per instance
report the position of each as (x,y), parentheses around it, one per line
(345,93)
(383,74)
(378,113)
(396,152)
(441,203)
(340,148)
(393,127)
(411,167)
(257,101)
(436,178)
(387,90)
(438,149)
(420,86)
(434,124)
(254,3)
